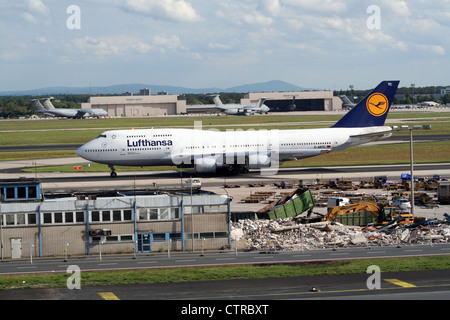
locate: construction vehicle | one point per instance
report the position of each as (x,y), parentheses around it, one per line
(364,213)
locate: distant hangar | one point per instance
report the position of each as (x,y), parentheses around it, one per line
(142,105)
(284,102)
(296,101)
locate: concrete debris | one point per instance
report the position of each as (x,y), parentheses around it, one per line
(290,235)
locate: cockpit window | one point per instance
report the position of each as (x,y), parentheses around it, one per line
(102,136)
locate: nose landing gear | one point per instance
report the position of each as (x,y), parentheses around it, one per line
(113,173)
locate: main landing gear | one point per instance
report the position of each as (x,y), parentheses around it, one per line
(113,173)
(238,169)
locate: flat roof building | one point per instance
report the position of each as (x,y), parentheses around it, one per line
(122,224)
(138,105)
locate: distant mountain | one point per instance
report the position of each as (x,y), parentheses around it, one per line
(270,86)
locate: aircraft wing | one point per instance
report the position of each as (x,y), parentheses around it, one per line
(80,113)
(369,137)
(372,135)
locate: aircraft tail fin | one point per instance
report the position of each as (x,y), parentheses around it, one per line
(345,99)
(260,102)
(48,104)
(36,104)
(217,101)
(373,109)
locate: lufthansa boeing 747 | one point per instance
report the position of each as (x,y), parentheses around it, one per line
(238,151)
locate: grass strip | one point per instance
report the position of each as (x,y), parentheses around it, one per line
(186,274)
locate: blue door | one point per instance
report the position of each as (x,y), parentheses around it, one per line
(144,242)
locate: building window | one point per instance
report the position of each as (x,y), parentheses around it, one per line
(112,239)
(20,219)
(68,217)
(58,217)
(127,216)
(117,215)
(21,192)
(79,216)
(106,216)
(10,193)
(153,214)
(95,216)
(32,192)
(174,213)
(127,237)
(159,237)
(164,214)
(48,217)
(9,219)
(143,215)
(32,218)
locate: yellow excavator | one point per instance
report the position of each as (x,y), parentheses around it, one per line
(381,214)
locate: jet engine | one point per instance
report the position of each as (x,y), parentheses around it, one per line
(259,160)
(205,164)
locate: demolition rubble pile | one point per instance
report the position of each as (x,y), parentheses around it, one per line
(290,235)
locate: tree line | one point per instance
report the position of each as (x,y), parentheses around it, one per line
(20,106)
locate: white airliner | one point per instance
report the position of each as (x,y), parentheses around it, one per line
(50,110)
(240,110)
(238,151)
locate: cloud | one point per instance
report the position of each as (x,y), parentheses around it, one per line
(29,17)
(171,10)
(123,45)
(242,14)
(37,6)
(172,42)
(41,39)
(396,8)
(435,49)
(323,6)
(96,47)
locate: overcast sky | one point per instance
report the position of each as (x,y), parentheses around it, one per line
(324,44)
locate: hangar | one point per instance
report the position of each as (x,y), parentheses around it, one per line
(138,105)
(296,101)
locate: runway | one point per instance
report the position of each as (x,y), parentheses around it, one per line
(412,285)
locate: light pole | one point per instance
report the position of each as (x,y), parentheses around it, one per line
(411,156)
(412,169)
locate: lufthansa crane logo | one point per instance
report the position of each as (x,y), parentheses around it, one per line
(377,104)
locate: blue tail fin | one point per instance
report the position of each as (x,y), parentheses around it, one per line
(373,109)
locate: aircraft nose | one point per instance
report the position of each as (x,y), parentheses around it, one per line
(80,151)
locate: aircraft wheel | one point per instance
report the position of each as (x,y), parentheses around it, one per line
(113,174)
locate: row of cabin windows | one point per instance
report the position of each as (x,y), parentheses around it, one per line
(154,136)
(306,143)
(101,150)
